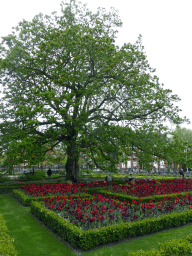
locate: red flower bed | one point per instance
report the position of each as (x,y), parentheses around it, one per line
(100,211)
(36,190)
(142,188)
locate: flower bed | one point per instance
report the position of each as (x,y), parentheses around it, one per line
(36,190)
(142,188)
(89,220)
(99,211)
(88,239)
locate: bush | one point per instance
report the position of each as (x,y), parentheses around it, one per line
(176,247)
(189,238)
(6,242)
(152,252)
(38,175)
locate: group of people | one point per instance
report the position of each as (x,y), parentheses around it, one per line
(107,178)
(130,178)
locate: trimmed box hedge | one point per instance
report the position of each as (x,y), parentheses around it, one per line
(90,238)
(129,198)
(177,247)
(6,242)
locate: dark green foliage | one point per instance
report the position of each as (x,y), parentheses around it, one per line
(38,175)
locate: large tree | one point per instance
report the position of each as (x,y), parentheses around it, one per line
(66,82)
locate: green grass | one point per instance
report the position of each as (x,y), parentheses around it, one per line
(32,239)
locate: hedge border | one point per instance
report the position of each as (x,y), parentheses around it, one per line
(127,198)
(6,242)
(88,239)
(175,247)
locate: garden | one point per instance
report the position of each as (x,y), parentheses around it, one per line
(91,215)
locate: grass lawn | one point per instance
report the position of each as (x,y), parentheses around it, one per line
(32,239)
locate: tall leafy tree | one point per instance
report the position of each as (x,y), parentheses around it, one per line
(181,142)
(66,82)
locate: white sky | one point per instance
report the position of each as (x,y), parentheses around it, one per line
(164,24)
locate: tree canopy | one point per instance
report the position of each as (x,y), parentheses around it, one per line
(65,82)
(181,142)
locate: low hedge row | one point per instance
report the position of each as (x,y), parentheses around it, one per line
(90,238)
(8,188)
(177,247)
(129,198)
(6,242)
(25,200)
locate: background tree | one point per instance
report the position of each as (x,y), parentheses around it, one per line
(65,81)
(181,143)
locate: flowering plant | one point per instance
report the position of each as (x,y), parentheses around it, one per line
(36,190)
(142,188)
(99,211)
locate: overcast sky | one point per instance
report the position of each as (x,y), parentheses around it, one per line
(164,24)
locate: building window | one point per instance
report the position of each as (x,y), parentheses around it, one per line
(155,164)
(128,164)
(162,164)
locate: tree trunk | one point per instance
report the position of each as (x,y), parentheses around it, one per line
(72,165)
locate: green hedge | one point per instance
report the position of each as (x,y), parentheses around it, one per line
(24,199)
(177,247)
(90,238)
(8,188)
(6,242)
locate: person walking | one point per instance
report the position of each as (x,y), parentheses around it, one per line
(181,173)
(49,172)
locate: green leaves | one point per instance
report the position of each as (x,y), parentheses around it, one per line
(65,81)
(181,144)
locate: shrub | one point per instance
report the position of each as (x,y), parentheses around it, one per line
(177,247)
(6,242)
(152,252)
(38,175)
